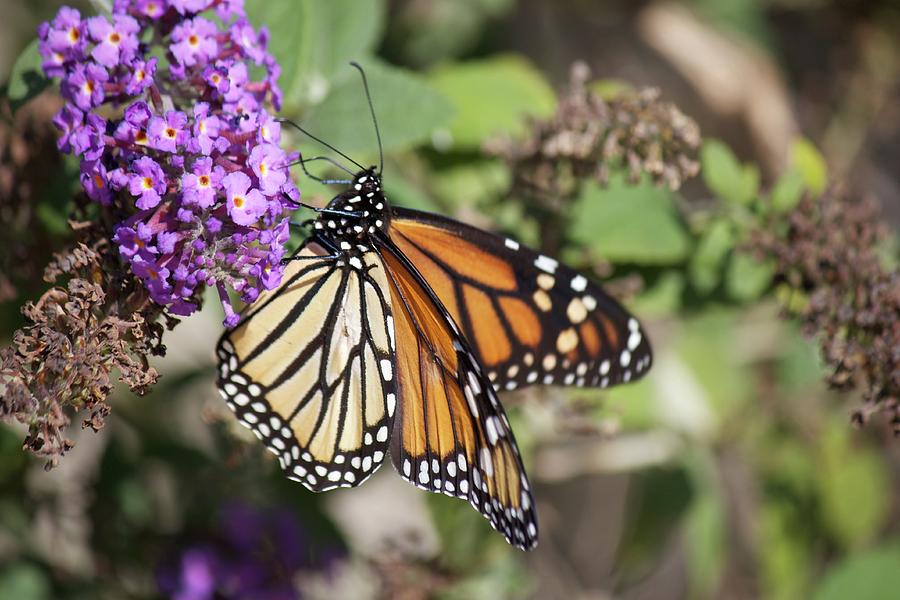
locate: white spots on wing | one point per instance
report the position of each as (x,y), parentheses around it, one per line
(581,369)
(473,382)
(545,281)
(549,362)
(634,340)
(451,469)
(512,371)
(461,461)
(229,389)
(542,300)
(241,399)
(367,463)
(589,302)
(545,263)
(389,322)
(391,400)
(625,358)
(387,369)
(604,367)
(528,359)
(470,399)
(532,377)
(579,283)
(346,246)
(355,262)
(382,434)
(511,244)
(487,464)
(576,311)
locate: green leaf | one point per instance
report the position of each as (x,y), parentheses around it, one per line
(314,40)
(625,223)
(706,263)
(787,192)
(747,278)
(492,96)
(664,298)
(808,161)
(725,176)
(705,528)
(873,575)
(408,110)
(854,488)
(26,80)
(24,580)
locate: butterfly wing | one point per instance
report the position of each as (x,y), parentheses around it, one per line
(309,368)
(529,319)
(451,434)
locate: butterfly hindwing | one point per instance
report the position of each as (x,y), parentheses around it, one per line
(451,434)
(529,319)
(309,369)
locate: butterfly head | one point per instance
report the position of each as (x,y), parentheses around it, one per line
(358,212)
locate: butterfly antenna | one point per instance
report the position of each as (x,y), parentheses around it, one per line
(321,141)
(371,110)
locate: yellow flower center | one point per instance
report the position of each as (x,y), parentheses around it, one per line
(193,40)
(147,183)
(170,133)
(238,201)
(203,180)
(74,35)
(140,137)
(114,38)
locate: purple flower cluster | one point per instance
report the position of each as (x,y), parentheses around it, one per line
(253,554)
(191,158)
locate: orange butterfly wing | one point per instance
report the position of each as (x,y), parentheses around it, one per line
(451,434)
(529,319)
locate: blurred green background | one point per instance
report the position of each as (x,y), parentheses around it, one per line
(729,472)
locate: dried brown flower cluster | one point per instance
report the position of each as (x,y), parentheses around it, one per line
(63,360)
(589,136)
(829,252)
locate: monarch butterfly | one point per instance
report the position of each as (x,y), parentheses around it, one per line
(392,331)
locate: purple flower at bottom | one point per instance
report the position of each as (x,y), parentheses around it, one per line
(95,181)
(155,280)
(268,162)
(199,186)
(141,75)
(66,34)
(195,41)
(135,243)
(185,7)
(116,41)
(206,130)
(152,9)
(245,205)
(67,120)
(84,85)
(147,182)
(169,133)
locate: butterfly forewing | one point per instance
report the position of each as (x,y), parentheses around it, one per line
(310,368)
(451,434)
(529,319)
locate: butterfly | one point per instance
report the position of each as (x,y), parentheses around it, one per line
(392,332)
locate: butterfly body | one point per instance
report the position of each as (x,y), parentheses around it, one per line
(390,334)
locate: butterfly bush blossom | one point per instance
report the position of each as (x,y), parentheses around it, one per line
(175,139)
